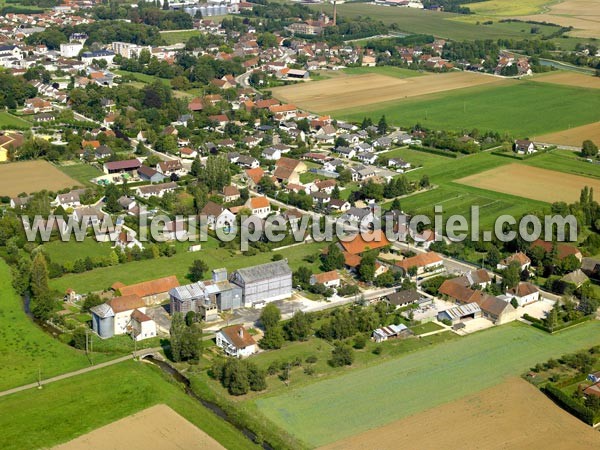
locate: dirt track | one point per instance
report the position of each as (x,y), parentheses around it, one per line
(573,137)
(360,90)
(532,182)
(513,415)
(158,427)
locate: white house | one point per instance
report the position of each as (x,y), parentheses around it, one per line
(236,341)
(271,154)
(524,293)
(520,258)
(142,326)
(123,315)
(330,279)
(259,206)
(217,217)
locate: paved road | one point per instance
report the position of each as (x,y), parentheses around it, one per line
(64,376)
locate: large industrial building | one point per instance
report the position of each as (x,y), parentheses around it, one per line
(250,287)
(264,284)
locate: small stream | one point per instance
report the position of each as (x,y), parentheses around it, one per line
(216,409)
(47,327)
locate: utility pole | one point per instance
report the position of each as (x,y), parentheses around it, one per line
(39,377)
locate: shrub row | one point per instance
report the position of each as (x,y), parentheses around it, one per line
(433,151)
(571,405)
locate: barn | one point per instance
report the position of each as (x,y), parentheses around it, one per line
(461,313)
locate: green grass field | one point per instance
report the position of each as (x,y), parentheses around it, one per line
(144,78)
(68,252)
(508,8)
(8,121)
(458,198)
(66,409)
(81,172)
(444,25)
(25,348)
(176,37)
(329,410)
(135,272)
(390,71)
(522,109)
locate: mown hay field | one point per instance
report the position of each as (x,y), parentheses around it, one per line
(343,406)
(32,176)
(512,415)
(342,93)
(531,182)
(573,136)
(569,79)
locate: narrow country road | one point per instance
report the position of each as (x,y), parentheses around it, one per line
(64,376)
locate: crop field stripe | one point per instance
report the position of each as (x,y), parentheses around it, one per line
(332,409)
(522,108)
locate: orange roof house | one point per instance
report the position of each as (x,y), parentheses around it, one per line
(152,291)
(365,241)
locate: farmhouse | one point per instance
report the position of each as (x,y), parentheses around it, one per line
(236,341)
(521,258)
(123,315)
(389,332)
(524,147)
(288,170)
(458,314)
(525,293)
(128,165)
(152,292)
(156,190)
(495,309)
(149,174)
(424,262)
(264,283)
(365,241)
(259,206)
(564,250)
(403,298)
(330,279)
(217,216)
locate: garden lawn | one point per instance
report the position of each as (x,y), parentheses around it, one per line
(343,406)
(66,409)
(81,172)
(68,252)
(176,37)
(137,271)
(390,71)
(8,121)
(521,109)
(25,348)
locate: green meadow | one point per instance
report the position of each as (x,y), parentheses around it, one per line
(440,24)
(522,109)
(25,350)
(66,409)
(336,408)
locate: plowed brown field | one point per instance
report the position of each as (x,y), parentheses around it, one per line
(532,182)
(359,90)
(512,415)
